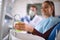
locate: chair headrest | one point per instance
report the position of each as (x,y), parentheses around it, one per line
(57,16)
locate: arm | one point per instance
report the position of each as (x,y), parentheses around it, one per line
(35,32)
(28,28)
(45,35)
(32,30)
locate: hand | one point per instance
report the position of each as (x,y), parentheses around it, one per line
(23,26)
(20,26)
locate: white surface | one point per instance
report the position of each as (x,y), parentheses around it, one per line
(20,6)
(36,20)
(58,36)
(57,8)
(23,36)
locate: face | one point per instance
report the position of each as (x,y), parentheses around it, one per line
(32,11)
(46,10)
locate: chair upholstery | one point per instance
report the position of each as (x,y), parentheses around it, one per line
(54,31)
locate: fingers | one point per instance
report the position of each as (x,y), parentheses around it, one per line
(20,26)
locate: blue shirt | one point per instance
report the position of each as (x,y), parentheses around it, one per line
(46,24)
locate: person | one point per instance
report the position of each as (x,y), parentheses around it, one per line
(32,15)
(49,20)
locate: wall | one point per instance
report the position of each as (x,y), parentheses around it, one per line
(21,6)
(57,8)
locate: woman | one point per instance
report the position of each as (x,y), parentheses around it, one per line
(48,12)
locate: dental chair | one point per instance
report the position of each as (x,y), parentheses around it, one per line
(54,32)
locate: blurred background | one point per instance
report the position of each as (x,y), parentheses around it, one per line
(12,9)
